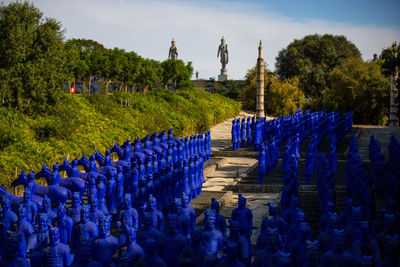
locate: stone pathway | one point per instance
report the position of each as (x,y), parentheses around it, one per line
(223,172)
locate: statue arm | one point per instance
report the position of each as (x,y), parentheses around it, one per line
(227,54)
(219,50)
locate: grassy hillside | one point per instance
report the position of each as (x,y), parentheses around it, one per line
(79,124)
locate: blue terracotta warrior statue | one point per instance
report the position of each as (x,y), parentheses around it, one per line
(211,238)
(75,211)
(56,254)
(244,216)
(46,208)
(243,253)
(183,223)
(158,218)
(7,215)
(130,252)
(101,195)
(128,214)
(234,135)
(220,223)
(84,230)
(232,257)
(172,243)
(248,131)
(105,245)
(338,256)
(151,257)
(85,258)
(111,200)
(188,211)
(148,231)
(11,256)
(24,231)
(39,239)
(95,213)
(193,254)
(271,255)
(30,206)
(64,224)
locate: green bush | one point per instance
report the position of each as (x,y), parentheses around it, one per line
(78,124)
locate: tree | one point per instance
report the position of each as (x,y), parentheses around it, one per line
(361,87)
(32,68)
(174,71)
(281,98)
(149,74)
(312,58)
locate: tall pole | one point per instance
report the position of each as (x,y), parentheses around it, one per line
(394,108)
(260,83)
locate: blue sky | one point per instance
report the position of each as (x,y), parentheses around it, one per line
(148,26)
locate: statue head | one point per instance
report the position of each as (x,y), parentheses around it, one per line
(215,205)
(54,235)
(177,206)
(232,251)
(128,201)
(31,176)
(104,225)
(85,211)
(152,203)
(93,202)
(173,43)
(150,247)
(172,223)
(222,40)
(209,219)
(61,210)
(241,202)
(130,234)
(46,203)
(55,167)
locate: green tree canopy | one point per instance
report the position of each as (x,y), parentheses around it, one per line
(32,67)
(175,71)
(312,58)
(361,87)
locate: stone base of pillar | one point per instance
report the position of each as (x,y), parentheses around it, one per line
(223,77)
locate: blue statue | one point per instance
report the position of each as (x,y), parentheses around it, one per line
(345,217)
(111,200)
(84,230)
(46,208)
(188,211)
(105,245)
(231,260)
(158,218)
(148,231)
(243,133)
(353,231)
(75,211)
(119,187)
(325,238)
(234,135)
(244,216)
(262,168)
(56,254)
(24,231)
(193,254)
(241,243)
(85,256)
(40,238)
(11,256)
(92,188)
(338,256)
(183,222)
(220,223)
(313,254)
(95,213)
(211,238)
(128,214)
(271,255)
(130,252)
(30,206)
(151,257)
(172,243)
(366,246)
(298,248)
(7,215)
(64,224)
(101,195)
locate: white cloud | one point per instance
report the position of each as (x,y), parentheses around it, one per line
(147,28)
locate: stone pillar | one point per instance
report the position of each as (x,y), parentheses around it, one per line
(260,84)
(394,106)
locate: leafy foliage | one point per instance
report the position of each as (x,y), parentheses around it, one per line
(312,58)
(82,123)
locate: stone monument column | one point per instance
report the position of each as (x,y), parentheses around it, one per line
(394,106)
(260,83)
